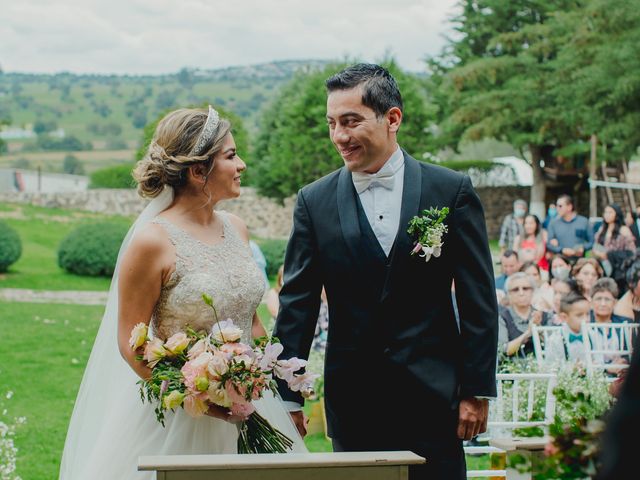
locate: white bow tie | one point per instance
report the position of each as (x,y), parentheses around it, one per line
(362,181)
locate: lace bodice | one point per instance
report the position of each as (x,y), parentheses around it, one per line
(226,271)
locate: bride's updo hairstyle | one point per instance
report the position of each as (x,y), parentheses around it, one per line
(183,138)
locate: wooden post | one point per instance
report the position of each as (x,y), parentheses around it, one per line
(593,198)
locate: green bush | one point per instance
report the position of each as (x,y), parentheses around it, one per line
(118,176)
(91,249)
(10,246)
(273,251)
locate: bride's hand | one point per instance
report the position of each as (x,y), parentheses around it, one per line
(224,414)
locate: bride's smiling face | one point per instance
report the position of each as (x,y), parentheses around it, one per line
(224,179)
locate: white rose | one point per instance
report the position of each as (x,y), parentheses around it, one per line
(226,331)
(218,394)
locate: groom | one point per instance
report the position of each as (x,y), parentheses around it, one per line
(400,374)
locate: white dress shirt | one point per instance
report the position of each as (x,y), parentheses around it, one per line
(381,204)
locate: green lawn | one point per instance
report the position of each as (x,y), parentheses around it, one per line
(45,348)
(41,231)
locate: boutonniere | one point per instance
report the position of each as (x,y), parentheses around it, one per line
(427,230)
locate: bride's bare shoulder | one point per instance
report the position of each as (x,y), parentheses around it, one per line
(152,239)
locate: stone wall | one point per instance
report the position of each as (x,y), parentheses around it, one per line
(264,217)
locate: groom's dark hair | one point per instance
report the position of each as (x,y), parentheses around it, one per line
(380,91)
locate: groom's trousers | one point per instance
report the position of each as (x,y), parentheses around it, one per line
(435,440)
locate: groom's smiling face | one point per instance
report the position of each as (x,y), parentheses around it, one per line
(365,142)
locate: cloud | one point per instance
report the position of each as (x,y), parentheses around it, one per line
(158,36)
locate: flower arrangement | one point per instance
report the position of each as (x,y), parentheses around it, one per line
(428,230)
(8,450)
(196,370)
(581,402)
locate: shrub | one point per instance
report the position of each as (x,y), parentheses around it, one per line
(273,251)
(113,177)
(92,249)
(10,246)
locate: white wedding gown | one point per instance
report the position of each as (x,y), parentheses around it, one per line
(105,441)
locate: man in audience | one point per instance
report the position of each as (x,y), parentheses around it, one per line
(509,264)
(570,233)
(512,225)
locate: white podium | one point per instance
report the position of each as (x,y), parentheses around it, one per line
(306,466)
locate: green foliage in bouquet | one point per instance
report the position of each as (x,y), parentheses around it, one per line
(92,249)
(10,246)
(118,176)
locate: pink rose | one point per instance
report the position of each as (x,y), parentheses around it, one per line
(234,348)
(195,406)
(199,347)
(194,369)
(154,352)
(243,409)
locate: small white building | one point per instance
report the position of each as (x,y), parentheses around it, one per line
(32,181)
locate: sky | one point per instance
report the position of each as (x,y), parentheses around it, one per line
(163,36)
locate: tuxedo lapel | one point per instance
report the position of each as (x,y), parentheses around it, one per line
(348,213)
(411,196)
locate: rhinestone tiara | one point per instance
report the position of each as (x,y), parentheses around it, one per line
(213,118)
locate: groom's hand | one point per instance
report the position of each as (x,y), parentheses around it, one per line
(300,421)
(472,417)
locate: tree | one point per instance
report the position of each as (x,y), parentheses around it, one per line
(72,165)
(293,147)
(599,68)
(496,81)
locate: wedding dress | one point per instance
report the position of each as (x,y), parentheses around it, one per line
(111,427)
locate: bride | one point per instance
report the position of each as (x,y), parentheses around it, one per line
(178,249)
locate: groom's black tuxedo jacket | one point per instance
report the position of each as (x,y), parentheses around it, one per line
(393,345)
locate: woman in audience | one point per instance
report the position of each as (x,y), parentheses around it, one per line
(531,245)
(517,320)
(631,221)
(612,236)
(629,304)
(560,268)
(586,272)
(604,296)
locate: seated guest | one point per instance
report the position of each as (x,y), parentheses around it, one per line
(531,245)
(510,264)
(629,304)
(604,296)
(560,289)
(574,311)
(517,320)
(543,294)
(612,236)
(559,268)
(586,272)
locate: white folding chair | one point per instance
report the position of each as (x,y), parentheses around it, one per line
(523,400)
(550,346)
(608,346)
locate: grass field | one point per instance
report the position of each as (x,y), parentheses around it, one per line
(52,161)
(41,231)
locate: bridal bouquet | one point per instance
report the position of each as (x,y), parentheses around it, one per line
(195,370)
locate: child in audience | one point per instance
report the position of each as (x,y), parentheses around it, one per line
(574,311)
